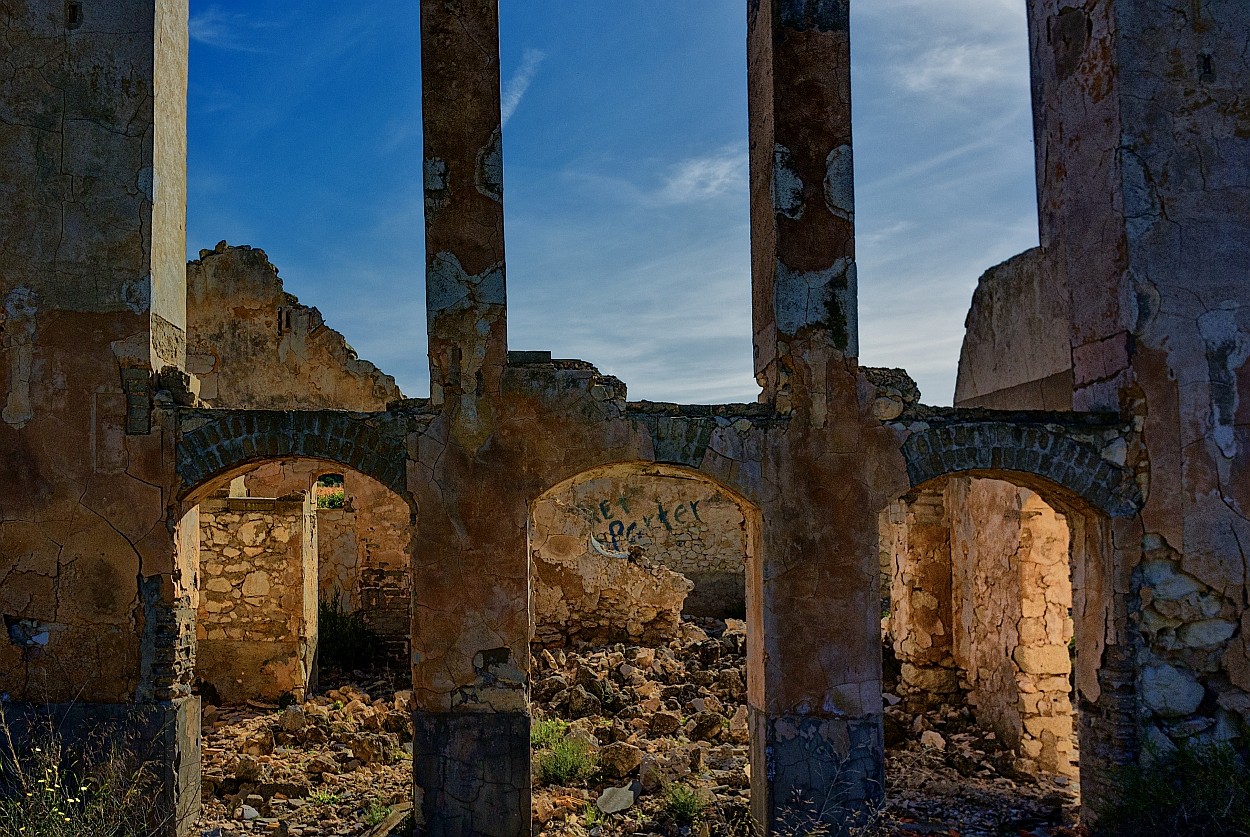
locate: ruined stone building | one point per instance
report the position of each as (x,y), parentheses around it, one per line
(1088,488)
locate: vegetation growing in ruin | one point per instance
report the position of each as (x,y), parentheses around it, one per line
(1201,789)
(321,796)
(684,803)
(566,762)
(545,733)
(376,812)
(330,491)
(100,789)
(345,642)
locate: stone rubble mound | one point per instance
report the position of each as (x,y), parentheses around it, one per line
(655,725)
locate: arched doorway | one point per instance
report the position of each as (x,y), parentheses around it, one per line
(622,668)
(996,621)
(284,733)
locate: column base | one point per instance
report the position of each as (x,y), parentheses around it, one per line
(471,774)
(162,737)
(811,771)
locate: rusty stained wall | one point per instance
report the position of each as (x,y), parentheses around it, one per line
(256,624)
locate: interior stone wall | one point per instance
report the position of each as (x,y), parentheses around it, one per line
(364,548)
(917,534)
(253,345)
(1012,592)
(684,524)
(256,623)
(980,612)
(582,593)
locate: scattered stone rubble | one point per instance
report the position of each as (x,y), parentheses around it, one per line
(335,766)
(653,718)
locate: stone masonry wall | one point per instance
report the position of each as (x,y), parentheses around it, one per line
(257,619)
(1012,593)
(980,601)
(686,525)
(917,536)
(364,553)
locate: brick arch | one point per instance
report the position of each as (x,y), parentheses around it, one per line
(213,444)
(1041,457)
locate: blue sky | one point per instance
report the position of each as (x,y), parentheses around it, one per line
(626,175)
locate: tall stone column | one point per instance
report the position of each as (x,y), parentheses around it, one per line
(813,602)
(92,306)
(1143,145)
(802,189)
(466,301)
(470,573)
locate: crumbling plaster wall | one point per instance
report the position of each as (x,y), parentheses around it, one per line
(97,590)
(252,345)
(256,624)
(92,197)
(613,553)
(684,524)
(1150,242)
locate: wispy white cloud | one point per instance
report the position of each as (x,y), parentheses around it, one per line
(959,69)
(700,178)
(517,86)
(218,28)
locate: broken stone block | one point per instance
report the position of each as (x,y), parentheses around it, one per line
(619,760)
(1170,692)
(615,800)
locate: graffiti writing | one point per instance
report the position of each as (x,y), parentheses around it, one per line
(630,521)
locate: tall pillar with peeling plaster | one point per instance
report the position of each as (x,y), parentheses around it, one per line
(1143,149)
(92,308)
(471,758)
(466,301)
(802,186)
(814,667)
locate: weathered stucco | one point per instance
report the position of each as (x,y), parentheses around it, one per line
(1016,352)
(686,525)
(253,345)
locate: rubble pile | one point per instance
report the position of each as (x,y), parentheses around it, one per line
(670,723)
(336,766)
(628,740)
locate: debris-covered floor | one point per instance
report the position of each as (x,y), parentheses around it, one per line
(659,734)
